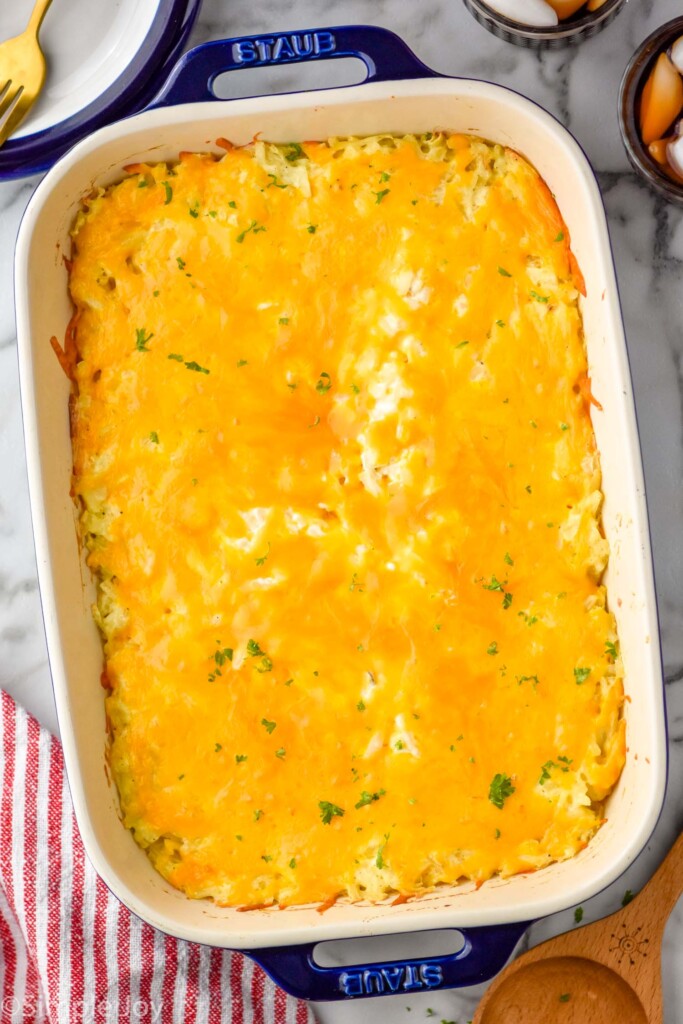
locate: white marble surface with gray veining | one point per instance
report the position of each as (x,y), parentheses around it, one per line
(580,87)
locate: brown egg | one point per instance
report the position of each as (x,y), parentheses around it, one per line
(565,8)
(662,100)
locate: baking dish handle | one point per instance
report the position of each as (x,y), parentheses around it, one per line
(484,953)
(385,55)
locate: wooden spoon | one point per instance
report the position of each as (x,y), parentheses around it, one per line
(606,973)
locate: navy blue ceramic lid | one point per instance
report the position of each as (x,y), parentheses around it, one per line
(101,67)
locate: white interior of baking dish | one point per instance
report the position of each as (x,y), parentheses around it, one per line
(43,309)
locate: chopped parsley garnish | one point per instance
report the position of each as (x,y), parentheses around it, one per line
(529,619)
(254,227)
(565,997)
(292,863)
(500,323)
(254,651)
(380,195)
(220,657)
(258,815)
(528,488)
(266,857)
(141,339)
(143,183)
(232,204)
(274,183)
(196,367)
(213,213)
(369,798)
(268,726)
(262,559)
(219,746)
(324,383)
(564,426)
(527,679)
(462,344)
(384,177)
(503,272)
(178,358)
(328,811)
(242,362)
(194,210)
(155,293)
(355,389)
(492,648)
(181,777)
(355,585)
(581,675)
(180,262)
(288,682)
(611,650)
(627,897)
(539,298)
(154,437)
(578,915)
(293,152)
(500,789)
(312,228)
(360,705)
(284,320)
(399,745)
(545,769)
(169,192)
(438,627)
(495,584)
(497,834)
(315,422)
(379,859)
(560,237)
(240,758)
(507,559)
(281,752)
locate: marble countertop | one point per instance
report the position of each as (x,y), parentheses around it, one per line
(580,87)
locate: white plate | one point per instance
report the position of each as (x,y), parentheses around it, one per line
(87,46)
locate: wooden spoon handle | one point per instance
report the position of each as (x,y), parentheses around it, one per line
(658,898)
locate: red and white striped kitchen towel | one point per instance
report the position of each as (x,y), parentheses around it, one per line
(70,953)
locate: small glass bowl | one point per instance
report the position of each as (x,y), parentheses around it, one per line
(632,84)
(573,30)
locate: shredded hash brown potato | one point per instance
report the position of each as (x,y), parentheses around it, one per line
(340,493)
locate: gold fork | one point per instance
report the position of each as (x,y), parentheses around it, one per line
(22,72)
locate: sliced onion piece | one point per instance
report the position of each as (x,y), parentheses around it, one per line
(677,54)
(527,12)
(674,155)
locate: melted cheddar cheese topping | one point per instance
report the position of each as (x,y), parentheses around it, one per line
(340,491)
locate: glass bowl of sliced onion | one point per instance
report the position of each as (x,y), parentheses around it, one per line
(541,24)
(651,110)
